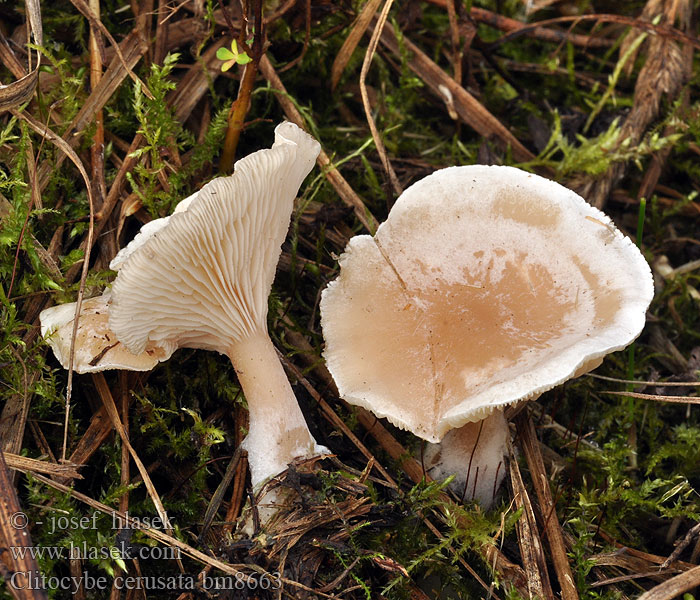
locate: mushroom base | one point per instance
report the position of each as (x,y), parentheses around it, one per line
(474,454)
(278,433)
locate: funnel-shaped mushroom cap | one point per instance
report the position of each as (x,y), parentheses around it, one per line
(96,347)
(485,286)
(202,279)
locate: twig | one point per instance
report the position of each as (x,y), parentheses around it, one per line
(218,495)
(371,49)
(530,447)
(239,109)
(110,407)
(657,398)
(44,131)
(87,12)
(674,587)
(681,545)
(481,15)
(342,187)
(358,30)
(660,30)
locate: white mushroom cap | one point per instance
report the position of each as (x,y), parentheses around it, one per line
(96,346)
(202,279)
(485,286)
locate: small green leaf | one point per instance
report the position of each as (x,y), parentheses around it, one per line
(232,56)
(225,54)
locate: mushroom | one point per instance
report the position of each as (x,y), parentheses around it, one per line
(484,287)
(201,278)
(96,346)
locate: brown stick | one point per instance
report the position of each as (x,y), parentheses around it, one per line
(506,24)
(346,193)
(662,31)
(14,534)
(674,587)
(358,30)
(239,109)
(528,537)
(378,143)
(468,108)
(98,143)
(530,447)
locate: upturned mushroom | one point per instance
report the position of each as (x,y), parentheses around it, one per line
(201,278)
(484,287)
(96,346)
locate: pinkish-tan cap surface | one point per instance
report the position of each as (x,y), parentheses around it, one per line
(485,286)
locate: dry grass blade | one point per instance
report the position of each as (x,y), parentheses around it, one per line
(657,398)
(218,495)
(32,465)
(680,584)
(14,534)
(664,73)
(531,449)
(350,43)
(630,577)
(66,149)
(95,22)
(94,436)
(645,383)
(333,418)
(528,537)
(346,193)
(468,108)
(20,91)
(371,49)
(110,407)
(13,419)
(133,49)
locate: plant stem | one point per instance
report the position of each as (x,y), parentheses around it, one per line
(236,116)
(239,109)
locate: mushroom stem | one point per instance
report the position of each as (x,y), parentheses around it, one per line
(277,433)
(474,454)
